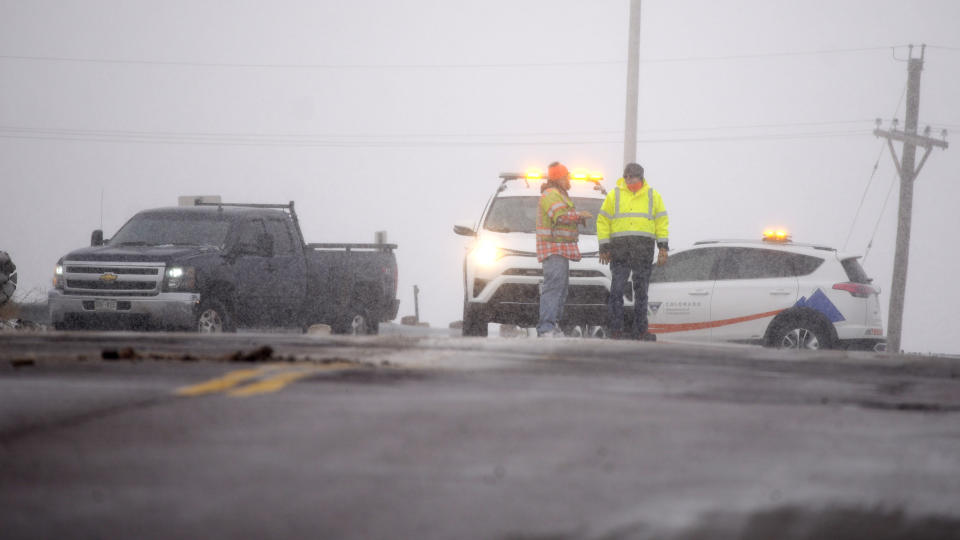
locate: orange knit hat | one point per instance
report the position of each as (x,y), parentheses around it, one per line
(557,172)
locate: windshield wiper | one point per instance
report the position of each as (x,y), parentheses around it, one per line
(137,243)
(499,229)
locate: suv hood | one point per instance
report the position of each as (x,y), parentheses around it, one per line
(164,254)
(528,241)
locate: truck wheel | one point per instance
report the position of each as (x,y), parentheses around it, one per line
(473,322)
(800,333)
(213,317)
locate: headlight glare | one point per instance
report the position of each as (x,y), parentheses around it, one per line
(487,254)
(180,278)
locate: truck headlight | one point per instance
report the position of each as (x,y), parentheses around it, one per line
(58,277)
(180,278)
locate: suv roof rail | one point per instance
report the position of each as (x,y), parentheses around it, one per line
(761,242)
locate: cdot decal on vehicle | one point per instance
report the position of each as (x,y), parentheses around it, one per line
(821,303)
(653,307)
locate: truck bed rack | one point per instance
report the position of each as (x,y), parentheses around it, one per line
(349,247)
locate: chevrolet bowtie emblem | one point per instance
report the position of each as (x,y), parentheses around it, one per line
(108,277)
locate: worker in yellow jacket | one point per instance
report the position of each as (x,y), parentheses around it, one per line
(631,221)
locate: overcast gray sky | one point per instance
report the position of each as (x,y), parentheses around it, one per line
(399,115)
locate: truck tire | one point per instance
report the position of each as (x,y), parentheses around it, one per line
(8,278)
(474,324)
(213,317)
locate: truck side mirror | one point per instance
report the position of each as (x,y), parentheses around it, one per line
(96,238)
(464,228)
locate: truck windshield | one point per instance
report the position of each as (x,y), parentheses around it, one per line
(519,214)
(173,229)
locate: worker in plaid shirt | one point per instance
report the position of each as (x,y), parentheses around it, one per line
(557,236)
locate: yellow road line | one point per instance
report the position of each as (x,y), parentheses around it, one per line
(279,381)
(269,380)
(225,382)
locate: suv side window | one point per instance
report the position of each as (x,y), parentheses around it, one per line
(280,231)
(694,265)
(754,263)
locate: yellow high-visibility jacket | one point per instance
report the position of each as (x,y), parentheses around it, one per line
(625,213)
(557,219)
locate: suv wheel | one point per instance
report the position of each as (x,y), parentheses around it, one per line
(800,334)
(473,322)
(213,317)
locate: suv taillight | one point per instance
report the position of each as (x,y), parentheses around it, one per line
(860,290)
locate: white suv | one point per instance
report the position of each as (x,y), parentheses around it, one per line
(501,275)
(772,292)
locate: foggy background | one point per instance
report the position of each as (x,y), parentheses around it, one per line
(398,116)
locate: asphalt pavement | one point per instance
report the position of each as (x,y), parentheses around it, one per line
(256,435)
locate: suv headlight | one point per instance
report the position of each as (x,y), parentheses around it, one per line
(487,253)
(180,278)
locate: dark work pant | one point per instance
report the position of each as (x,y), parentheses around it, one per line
(621,269)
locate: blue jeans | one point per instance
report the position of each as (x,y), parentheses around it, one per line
(620,270)
(556,281)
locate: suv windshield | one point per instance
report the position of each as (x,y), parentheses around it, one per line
(519,214)
(172,229)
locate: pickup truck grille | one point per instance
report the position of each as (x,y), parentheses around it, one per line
(112,279)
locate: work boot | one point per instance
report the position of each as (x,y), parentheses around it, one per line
(647,336)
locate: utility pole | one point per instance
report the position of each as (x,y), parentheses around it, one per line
(633,84)
(908,174)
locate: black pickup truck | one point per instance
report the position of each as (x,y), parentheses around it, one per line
(212,267)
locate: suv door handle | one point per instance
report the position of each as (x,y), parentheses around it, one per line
(699,292)
(780,291)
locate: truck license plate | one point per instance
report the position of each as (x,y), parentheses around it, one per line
(104,304)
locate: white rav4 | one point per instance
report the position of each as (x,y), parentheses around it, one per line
(501,275)
(772,292)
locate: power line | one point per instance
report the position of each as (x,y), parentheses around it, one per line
(228,135)
(93,136)
(768,55)
(303,66)
(496,65)
(876,164)
(880,217)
